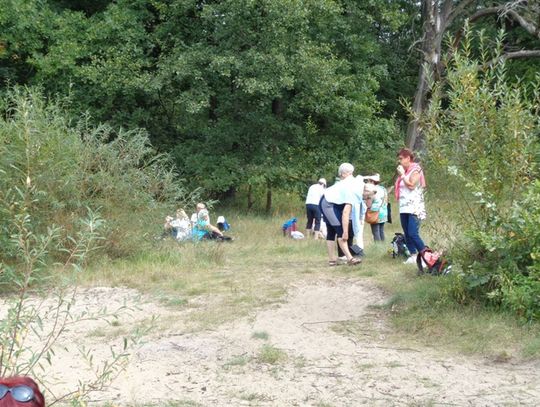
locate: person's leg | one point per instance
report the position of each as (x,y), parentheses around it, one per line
(414,234)
(330,244)
(381,231)
(317,217)
(350,240)
(339,251)
(375,231)
(405,219)
(309,213)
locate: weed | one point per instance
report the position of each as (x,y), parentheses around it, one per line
(300,362)
(271,355)
(239,360)
(260,335)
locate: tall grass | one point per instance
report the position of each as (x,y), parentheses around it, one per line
(69,166)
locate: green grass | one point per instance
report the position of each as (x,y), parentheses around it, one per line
(239,360)
(421,312)
(255,271)
(260,335)
(271,355)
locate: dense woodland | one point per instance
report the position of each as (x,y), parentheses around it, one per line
(254,96)
(245,93)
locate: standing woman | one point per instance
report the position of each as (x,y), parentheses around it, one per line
(409,192)
(378,204)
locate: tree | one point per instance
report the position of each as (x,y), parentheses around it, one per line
(261,93)
(440,17)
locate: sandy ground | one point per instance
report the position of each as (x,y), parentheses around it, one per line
(334,349)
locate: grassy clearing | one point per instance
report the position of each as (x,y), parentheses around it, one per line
(222,282)
(232,278)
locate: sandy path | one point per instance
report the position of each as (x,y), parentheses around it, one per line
(325,366)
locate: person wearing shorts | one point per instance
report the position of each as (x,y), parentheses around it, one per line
(336,206)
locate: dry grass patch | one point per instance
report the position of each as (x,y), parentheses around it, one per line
(220,282)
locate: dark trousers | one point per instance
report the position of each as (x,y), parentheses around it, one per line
(349,240)
(411,229)
(378,231)
(313,214)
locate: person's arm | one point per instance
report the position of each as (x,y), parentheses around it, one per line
(212,228)
(411,181)
(369,203)
(345,221)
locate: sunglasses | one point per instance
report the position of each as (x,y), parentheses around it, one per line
(22,394)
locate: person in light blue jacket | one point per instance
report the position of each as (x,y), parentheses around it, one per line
(339,204)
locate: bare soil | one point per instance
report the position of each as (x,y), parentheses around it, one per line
(331,348)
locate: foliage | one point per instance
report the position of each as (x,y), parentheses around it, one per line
(486,136)
(37,314)
(68,168)
(259,93)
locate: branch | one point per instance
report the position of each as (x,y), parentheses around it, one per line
(503,11)
(526,25)
(525,53)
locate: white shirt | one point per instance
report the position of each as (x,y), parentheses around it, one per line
(314,195)
(412,200)
(341,192)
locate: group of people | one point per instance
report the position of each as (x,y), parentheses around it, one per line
(197,228)
(352,201)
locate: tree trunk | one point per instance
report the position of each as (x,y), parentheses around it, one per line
(250,198)
(268,199)
(435,15)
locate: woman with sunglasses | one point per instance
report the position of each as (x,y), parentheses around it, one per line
(409,192)
(20,392)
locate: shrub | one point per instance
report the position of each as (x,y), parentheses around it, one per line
(483,132)
(67,168)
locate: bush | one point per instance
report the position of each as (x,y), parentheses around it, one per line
(67,168)
(484,135)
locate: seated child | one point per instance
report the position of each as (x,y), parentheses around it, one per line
(204,230)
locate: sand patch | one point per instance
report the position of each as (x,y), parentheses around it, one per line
(329,345)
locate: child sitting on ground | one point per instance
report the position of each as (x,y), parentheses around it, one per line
(203,229)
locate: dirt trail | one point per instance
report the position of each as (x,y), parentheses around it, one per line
(324,365)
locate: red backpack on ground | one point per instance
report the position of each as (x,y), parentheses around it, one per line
(432,262)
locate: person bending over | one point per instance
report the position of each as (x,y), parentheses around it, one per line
(313,198)
(337,205)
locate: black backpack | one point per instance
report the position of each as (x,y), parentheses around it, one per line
(399,247)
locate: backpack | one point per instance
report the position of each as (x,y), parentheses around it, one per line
(222,224)
(434,262)
(399,248)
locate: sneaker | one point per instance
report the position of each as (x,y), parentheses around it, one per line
(342,260)
(411,260)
